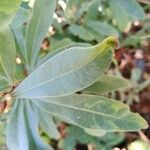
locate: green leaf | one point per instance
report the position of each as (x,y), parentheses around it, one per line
(129,10)
(81,32)
(134,10)
(21,17)
(5,21)
(60,44)
(19,29)
(102,28)
(9,6)
(7,55)
(20,43)
(107,83)
(83,8)
(56,51)
(3,84)
(76,134)
(93,13)
(112,139)
(116,7)
(8,9)
(57,77)
(42,17)
(93,113)
(22,129)
(72,5)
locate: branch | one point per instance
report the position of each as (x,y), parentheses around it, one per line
(144,1)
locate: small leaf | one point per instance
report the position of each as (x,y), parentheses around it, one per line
(81,32)
(102,28)
(57,77)
(42,17)
(93,113)
(76,134)
(134,10)
(7,55)
(129,10)
(116,7)
(107,83)
(84,7)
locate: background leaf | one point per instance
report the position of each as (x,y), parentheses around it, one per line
(129,10)
(107,83)
(8,9)
(116,7)
(133,9)
(42,17)
(9,6)
(81,32)
(77,135)
(102,28)
(7,55)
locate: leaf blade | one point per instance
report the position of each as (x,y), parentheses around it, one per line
(9,6)
(86,66)
(22,129)
(37,28)
(8,9)
(107,83)
(7,55)
(93,113)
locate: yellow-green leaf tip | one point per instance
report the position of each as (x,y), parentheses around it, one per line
(110,42)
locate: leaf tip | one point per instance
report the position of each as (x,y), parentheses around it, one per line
(142,122)
(110,42)
(145,124)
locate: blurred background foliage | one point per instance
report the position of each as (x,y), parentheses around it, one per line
(90,21)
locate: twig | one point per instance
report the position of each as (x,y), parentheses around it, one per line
(143,136)
(144,1)
(90,147)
